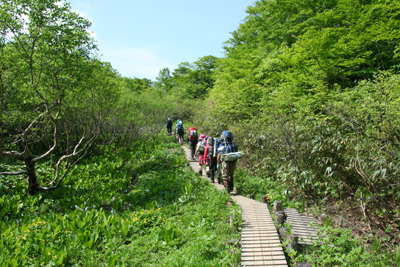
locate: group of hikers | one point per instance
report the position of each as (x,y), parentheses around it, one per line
(219,154)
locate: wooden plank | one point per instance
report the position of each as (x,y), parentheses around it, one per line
(260,241)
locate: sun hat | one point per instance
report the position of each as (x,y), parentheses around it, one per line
(202,136)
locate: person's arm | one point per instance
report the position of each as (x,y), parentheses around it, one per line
(218,158)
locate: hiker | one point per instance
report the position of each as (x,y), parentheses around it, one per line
(179,131)
(227,168)
(169,125)
(205,157)
(200,150)
(192,139)
(210,154)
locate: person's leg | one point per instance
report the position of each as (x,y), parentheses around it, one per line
(181,138)
(225,176)
(218,172)
(192,148)
(200,164)
(213,166)
(207,161)
(231,169)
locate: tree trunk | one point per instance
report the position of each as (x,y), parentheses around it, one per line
(31,178)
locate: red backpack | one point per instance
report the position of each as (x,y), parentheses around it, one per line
(193,135)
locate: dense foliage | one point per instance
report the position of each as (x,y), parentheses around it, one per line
(57,97)
(310,89)
(125,208)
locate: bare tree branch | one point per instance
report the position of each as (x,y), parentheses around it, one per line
(54,120)
(74,153)
(14,173)
(63,176)
(25,133)
(14,154)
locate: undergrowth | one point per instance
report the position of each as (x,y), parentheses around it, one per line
(141,207)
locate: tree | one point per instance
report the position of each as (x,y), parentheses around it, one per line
(53,107)
(164,81)
(136,85)
(194,81)
(281,83)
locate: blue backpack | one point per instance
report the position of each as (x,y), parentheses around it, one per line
(180,127)
(226,136)
(226,143)
(227,147)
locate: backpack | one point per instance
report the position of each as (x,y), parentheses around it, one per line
(226,136)
(180,127)
(217,142)
(193,134)
(210,142)
(228,150)
(201,146)
(229,147)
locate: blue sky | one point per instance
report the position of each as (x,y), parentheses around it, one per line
(140,37)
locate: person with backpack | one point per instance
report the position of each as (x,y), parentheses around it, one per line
(192,140)
(200,150)
(180,131)
(205,157)
(210,154)
(227,166)
(169,125)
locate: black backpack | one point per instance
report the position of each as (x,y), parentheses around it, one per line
(210,142)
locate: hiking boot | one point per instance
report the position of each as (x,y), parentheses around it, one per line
(208,174)
(212,181)
(230,191)
(201,173)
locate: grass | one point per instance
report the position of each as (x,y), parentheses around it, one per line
(142,207)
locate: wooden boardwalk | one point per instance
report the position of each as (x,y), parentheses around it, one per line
(260,241)
(301,225)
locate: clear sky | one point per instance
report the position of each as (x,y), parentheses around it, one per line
(140,37)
